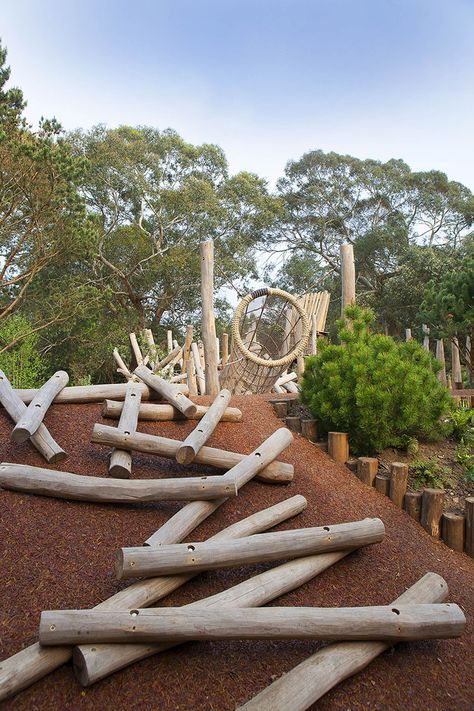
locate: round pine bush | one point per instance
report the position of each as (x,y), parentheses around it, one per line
(379,391)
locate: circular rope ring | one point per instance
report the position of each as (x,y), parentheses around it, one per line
(297,351)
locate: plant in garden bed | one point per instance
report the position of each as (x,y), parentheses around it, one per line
(429,473)
(379,391)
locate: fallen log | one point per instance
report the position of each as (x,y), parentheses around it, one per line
(194,442)
(163,413)
(166,390)
(95,393)
(165,447)
(34,414)
(303,685)
(41,439)
(403,623)
(64,485)
(120,464)
(34,662)
(181,558)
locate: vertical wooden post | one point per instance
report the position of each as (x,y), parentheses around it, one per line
(426,337)
(338,446)
(191,377)
(208,322)
(367,470)
(469,512)
(309,429)
(412,504)
(169,340)
(440,357)
(198,368)
(382,483)
(431,510)
(314,335)
(456,364)
(452,526)
(408,334)
(347,276)
(225,349)
(187,348)
(300,366)
(398,483)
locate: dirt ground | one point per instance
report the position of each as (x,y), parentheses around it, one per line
(60,554)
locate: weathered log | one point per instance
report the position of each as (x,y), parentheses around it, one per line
(187,347)
(208,324)
(452,526)
(225,349)
(143,562)
(456,364)
(348,280)
(122,367)
(165,447)
(150,341)
(191,377)
(194,442)
(469,513)
(398,483)
(291,387)
(120,464)
(180,624)
(167,391)
(338,446)
(137,356)
(286,378)
(440,358)
(169,340)
(95,393)
(281,409)
(65,485)
(367,470)
(303,685)
(293,423)
(164,412)
(412,504)
(382,483)
(309,429)
(201,382)
(27,666)
(34,414)
(42,439)
(167,359)
(432,504)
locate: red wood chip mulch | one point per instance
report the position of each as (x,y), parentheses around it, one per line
(60,554)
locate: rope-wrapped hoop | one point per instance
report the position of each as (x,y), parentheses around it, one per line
(297,350)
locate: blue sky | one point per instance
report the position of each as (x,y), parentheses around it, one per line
(265,79)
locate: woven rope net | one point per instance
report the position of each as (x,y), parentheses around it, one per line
(270,329)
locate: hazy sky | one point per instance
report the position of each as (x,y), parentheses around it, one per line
(265,79)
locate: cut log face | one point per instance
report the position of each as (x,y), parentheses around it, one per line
(34,414)
(196,439)
(166,390)
(64,485)
(175,624)
(181,558)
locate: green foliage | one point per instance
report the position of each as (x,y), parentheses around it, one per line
(430,473)
(377,390)
(464,456)
(22,363)
(460,424)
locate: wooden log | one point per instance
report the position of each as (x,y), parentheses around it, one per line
(432,504)
(187,347)
(167,359)
(347,276)
(169,392)
(412,504)
(309,429)
(180,624)
(169,340)
(94,393)
(440,357)
(351,464)
(398,483)
(27,666)
(165,447)
(42,439)
(143,562)
(208,324)
(150,341)
(300,367)
(191,377)
(303,685)
(120,463)
(408,334)
(293,423)
(452,526)
(225,349)
(382,483)
(137,356)
(178,378)
(122,367)
(163,412)
(194,442)
(469,513)
(201,382)
(286,378)
(34,414)
(65,485)
(291,387)
(338,446)
(456,365)
(94,663)
(367,468)
(281,409)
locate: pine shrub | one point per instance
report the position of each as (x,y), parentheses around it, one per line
(378,390)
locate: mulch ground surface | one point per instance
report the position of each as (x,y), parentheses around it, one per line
(60,554)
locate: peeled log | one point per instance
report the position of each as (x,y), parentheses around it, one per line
(432,504)
(164,413)
(64,485)
(34,414)
(166,447)
(120,464)
(166,390)
(398,483)
(182,558)
(303,685)
(194,442)
(94,393)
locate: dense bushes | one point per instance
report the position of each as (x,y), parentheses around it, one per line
(379,391)
(22,363)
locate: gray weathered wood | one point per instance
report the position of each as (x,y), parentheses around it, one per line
(180,624)
(469,513)
(34,414)
(367,470)
(208,324)
(382,483)
(440,357)
(166,390)
(201,381)
(303,685)
(194,442)
(42,439)
(120,463)
(64,485)
(225,349)
(398,483)
(432,504)
(164,412)
(452,526)
(412,504)
(143,562)
(95,393)
(165,447)
(348,280)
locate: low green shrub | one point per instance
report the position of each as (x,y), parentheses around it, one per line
(379,391)
(430,473)
(21,362)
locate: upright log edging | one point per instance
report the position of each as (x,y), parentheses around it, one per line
(469,513)
(208,322)
(367,468)
(431,510)
(338,446)
(398,483)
